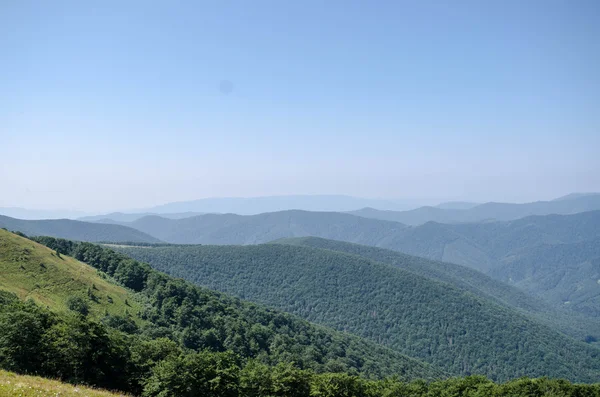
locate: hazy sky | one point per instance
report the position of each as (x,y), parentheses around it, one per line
(123,104)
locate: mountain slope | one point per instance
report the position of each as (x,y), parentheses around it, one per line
(417,316)
(489,211)
(76,230)
(565,274)
(12,384)
(553,257)
(31,270)
(466,279)
(482,246)
(200,319)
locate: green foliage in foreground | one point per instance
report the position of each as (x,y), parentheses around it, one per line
(76,349)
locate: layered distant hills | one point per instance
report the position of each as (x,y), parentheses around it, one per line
(503,298)
(76,230)
(553,257)
(255,229)
(467,212)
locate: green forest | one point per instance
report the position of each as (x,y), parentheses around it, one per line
(176,339)
(423,318)
(79,350)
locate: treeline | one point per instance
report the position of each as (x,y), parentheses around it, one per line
(76,349)
(199,319)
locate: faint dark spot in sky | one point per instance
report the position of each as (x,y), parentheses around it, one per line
(226,87)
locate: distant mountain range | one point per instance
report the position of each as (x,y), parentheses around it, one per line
(409,211)
(500,249)
(76,230)
(469,212)
(258,205)
(127,217)
(553,257)
(255,229)
(23,213)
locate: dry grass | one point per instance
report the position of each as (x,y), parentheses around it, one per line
(14,385)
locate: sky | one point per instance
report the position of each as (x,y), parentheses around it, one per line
(108,105)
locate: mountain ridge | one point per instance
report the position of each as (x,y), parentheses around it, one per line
(566,205)
(76,230)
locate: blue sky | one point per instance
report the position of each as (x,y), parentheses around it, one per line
(109,104)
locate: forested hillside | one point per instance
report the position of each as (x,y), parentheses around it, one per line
(499,249)
(199,318)
(76,230)
(574,324)
(410,313)
(553,257)
(564,274)
(567,205)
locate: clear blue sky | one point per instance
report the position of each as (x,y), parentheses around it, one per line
(117,104)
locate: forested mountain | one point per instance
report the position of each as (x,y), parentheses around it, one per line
(554,257)
(410,313)
(489,247)
(479,284)
(193,317)
(76,230)
(571,204)
(254,229)
(565,274)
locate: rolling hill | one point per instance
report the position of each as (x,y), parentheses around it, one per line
(564,274)
(566,205)
(554,257)
(467,279)
(412,314)
(76,230)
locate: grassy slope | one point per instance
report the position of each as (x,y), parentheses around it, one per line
(29,386)
(34,271)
